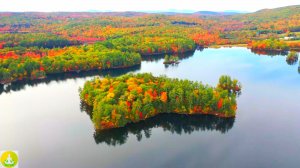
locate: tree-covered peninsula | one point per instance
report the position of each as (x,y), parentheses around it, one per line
(69,59)
(132,98)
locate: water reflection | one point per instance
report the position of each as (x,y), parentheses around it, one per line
(171,65)
(20,85)
(280,53)
(199,48)
(269,53)
(174,123)
(292,61)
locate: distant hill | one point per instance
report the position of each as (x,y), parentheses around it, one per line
(174,12)
(261,15)
(213,13)
(270,14)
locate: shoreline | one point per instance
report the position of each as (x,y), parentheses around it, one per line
(60,73)
(216,114)
(162,53)
(147,55)
(78,71)
(216,46)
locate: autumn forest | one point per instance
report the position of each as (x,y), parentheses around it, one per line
(149,83)
(33,45)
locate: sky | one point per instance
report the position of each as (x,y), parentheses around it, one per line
(141,5)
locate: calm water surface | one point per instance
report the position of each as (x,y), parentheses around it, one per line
(49,127)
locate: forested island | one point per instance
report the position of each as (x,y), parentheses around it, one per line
(131,98)
(171,59)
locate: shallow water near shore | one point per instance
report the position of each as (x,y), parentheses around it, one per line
(46,123)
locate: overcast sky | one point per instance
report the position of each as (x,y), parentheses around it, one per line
(141,5)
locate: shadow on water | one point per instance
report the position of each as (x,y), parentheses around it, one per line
(171,122)
(292,61)
(20,85)
(270,53)
(278,53)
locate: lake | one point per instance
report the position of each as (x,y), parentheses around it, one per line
(47,124)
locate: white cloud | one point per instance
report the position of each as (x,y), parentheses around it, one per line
(140,5)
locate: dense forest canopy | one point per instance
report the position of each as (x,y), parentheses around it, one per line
(132,98)
(91,27)
(34,44)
